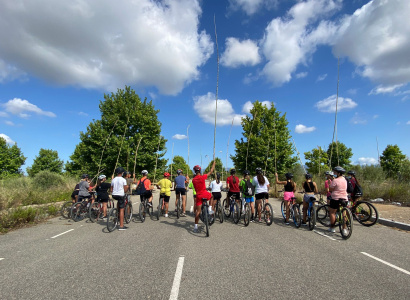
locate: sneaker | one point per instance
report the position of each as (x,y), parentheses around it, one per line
(268,221)
(345,232)
(332,230)
(183,215)
(123,228)
(287,223)
(260,220)
(104,218)
(304,224)
(149,204)
(196,230)
(166,215)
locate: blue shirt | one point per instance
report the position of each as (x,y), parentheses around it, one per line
(180,181)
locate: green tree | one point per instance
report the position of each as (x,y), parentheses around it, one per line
(47,159)
(11,160)
(339,154)
(179,163)
(218,167)
(260,131)
(316,160)
(391,160)
(125,118)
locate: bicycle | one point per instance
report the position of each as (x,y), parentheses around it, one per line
(161,204)
(80,209)
(144,208)
(294,212)
(344,218)
(364,212)
(311,212)
(219,211)
(179,207)
(266,212)
(66,209)
(113,216)
(205,216)
(232,209)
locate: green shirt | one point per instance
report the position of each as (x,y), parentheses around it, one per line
(242,185)
(191,186)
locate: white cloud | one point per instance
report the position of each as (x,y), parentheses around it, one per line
(352,91)
(358,120)
(179,137)
(385,89)
(3,114)
(246,108)
(303,129)
(238,53)
(321,77)
(367,161)
(291,40)
(83,114)
(19,107)
(9,72)
(10,123)
(205,107)
(106,44)
(329,104)
(377,39)
(250,7)
(7,138)
(408,123)
(375,116)
(301,75)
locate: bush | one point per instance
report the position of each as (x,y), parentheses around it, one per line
(47,179)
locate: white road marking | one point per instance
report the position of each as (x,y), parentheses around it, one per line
(1,258)
(53,237)
(386,263)
(322,234)
(177,279)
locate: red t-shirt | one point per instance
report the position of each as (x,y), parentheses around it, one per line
(233,187)
(199,183)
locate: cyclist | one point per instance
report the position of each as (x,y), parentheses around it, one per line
(118,189)
(201,192)
(147,187)
(191,186)
(180,190)
(339,195)
(244,185)
(216,187)
(328,181)
(310,189)
(130,181)
(354,182)
(102,189)
(74,194)
(261,184)
(232,184)
(84,189)
(289,194)
(165,185)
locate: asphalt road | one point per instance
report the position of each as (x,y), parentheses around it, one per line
(62,259)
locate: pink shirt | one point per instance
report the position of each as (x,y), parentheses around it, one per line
(326,187)
(339,186)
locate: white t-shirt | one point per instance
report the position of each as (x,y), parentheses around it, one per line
(118,184)
(216,187)
(260,188)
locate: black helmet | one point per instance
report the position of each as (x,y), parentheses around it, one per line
(352,173)
(179,171)
(84,176)
(246,172)
(339,170)
(218,175)
(258,170)
(330,173)
(119,170)
(289,175)
(308,176)
(233,171)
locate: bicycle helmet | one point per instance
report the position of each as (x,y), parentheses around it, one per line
(179,171)
(258,170)
(101,177)
(308,176)
(233,171)
(330,173)
(289,175)
(246,172)
(119,170)
(84,176)
(339,170)
(166,174)
(197,169)
(144,172)
(218,175)
(352,173)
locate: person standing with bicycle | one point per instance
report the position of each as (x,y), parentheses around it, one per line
(261,184)
(102,189)
(354,182)
(201,193)
(248,189)
(84,189)
(289,194)
(328,181)
(165,191)
(180,191)
(144,184)
(216,188)
(310,189)
(338,189)
(232,184)
(118,189)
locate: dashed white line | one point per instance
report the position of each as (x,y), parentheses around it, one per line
(1,258)
(386,263)
(177,279)
(53,237)
(322,234)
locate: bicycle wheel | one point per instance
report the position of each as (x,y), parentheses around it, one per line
(66,209)
(128,213)
(227,210)
(374,216)
(151,211)
(94,211)
(205,220)
(346,223)
(322,215)
(76,211)
(283,209)
(268,214)
(236,214)
(365,213)
(247,215)
(159,211)
(142,212)
(312,218)
(112,219)
(296,215)
(220,212)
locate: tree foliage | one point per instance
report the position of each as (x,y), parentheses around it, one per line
(391,160)
(179,163)
(339,154)
(11,160)
(47,159)
(316,161)
(218,168)
(259,130)
(125,118)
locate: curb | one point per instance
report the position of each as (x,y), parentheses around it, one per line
(394,224)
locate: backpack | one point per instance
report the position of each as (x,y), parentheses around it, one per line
(249,188)
(349,188)
(140,190)
(357,191)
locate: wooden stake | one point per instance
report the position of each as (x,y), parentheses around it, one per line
(136,152)
(217,83)
(123,136)
(249,137)
(105,145)
(156,160)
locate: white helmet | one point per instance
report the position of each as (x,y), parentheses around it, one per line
(101,177)
(144,172)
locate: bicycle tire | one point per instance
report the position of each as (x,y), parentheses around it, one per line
(268,214)
(66,210)
(283,209)
(374,218)
(297,220)
(236,214)
(128,213)
(94,211)
(365,213)
(227,210)
(112,220)
(221,212)
(247,215)
(322,215)
(151,211)
(205,217)
(346,221)
(142,212)
(312,218)
(159,211)
(75,211)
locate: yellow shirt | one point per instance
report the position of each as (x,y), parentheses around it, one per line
(165,185)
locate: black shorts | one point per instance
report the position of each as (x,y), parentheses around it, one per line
(103,200)
(261,196)
(180,191)
(237,195)
(217,195)
(82,198)
(146,195)
(120,199)
(73,194)
(166,198)
(336,203)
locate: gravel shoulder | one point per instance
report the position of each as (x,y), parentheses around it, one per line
(394,212)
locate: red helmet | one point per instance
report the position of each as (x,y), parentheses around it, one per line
(197,168)
(166,174)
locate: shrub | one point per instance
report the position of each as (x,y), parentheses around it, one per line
(47,179)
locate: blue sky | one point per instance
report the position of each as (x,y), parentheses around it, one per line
(58,59)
